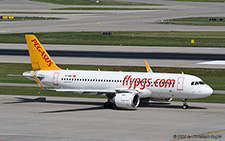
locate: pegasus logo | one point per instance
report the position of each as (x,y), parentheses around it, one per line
(42,52)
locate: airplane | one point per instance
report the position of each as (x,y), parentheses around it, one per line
(122,89)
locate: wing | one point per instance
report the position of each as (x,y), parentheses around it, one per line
(148,68)
(97,91)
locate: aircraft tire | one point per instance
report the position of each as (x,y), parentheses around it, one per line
(185,106)
(108,105)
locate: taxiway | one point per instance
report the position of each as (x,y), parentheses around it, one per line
(62,119)
(192,57)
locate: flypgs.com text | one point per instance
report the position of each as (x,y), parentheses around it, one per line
(147,82)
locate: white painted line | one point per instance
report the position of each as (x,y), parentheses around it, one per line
(213,63)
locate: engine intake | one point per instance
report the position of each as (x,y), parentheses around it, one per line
(126,100)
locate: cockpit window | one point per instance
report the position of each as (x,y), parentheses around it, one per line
(197,83)
(201,83)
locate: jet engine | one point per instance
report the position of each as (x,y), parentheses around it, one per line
(126,100)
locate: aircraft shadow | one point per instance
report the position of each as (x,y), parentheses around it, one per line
(98,104)
(74,110)
(43,100)
(168,105)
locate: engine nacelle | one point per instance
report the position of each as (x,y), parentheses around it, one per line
(126,100)
(161,99)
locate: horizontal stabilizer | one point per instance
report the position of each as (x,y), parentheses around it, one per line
(14,75)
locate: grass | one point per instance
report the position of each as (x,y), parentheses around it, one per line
(195,21)
(93,2)
(36,91)
(49,12)
(29,18)
(214,77)
(214,98)
(179,38)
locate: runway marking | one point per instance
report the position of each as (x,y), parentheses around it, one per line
(213,63)
(194,136)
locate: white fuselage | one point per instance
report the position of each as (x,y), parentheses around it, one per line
(155,85)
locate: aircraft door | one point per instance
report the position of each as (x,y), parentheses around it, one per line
(56,78)
(180,83)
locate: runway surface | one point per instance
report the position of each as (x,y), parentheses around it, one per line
(116,20)
(109,20)
(63,119)
(26,118)
(131,55)
(198,57)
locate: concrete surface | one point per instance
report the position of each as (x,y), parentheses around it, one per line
(83,119)
(110,20)
(170,61)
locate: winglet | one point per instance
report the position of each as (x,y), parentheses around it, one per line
(40,60)
(39,82)
(148,68)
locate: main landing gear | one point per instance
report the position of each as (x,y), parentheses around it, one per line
(185,106)
(108,105)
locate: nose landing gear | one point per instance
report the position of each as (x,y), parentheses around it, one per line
(185,106)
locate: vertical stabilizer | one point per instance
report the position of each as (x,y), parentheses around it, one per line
(40,60)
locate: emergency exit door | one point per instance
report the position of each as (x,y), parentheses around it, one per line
(55,78)
(180,83)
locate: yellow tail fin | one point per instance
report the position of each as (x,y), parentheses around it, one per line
(40,60)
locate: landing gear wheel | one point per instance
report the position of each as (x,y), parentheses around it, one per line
(108,105)
(185,106)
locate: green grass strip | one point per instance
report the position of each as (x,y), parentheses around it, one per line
(36,91)
(30,18)
(93,2)
(214,98)
(179,38)
(2,12)
(214,77)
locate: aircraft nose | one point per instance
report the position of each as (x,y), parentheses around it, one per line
(207,91)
